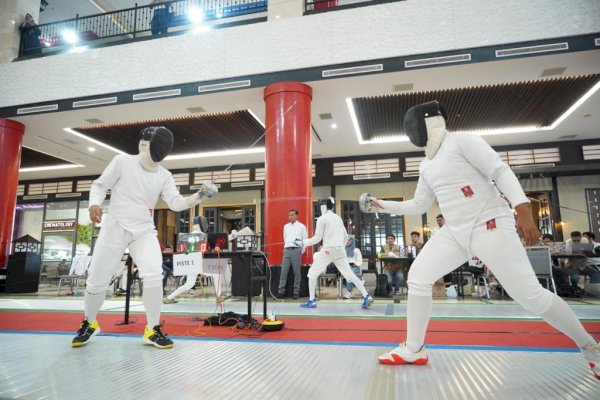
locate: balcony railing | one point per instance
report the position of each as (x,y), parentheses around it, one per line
(136,22)
(317,6)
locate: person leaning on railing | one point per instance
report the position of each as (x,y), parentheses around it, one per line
(30,37)
(160,19)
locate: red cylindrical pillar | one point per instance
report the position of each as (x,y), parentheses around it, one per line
(288,163)
(11,136)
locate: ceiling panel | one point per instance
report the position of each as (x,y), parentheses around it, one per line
(31,159)
(193,134)
(535,103)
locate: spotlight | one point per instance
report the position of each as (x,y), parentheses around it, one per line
(195,15)
(43,5)
(70,36)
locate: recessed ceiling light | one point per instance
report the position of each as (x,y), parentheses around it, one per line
(96,142)
(50,168)
(334,126)
(91,149)
(223,153)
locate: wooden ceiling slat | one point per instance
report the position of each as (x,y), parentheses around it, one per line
(196,133)
(532,104)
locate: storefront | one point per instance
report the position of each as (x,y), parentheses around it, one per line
(63,227)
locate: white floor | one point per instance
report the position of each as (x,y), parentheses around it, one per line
(44,366)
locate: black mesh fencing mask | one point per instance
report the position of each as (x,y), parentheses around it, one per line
(161,141)
(414,121)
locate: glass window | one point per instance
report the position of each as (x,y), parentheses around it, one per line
(28,220)
(84,230)
(57,251)
(61,210)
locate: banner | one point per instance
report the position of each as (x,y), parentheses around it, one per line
(58,226)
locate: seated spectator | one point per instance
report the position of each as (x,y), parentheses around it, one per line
(355,259)
(547,240)
(393,271)
(593,265)
(30,37)
(575,267)
(415,242)
(63,268)
(559,275)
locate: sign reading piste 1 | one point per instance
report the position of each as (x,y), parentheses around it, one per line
(58,226)
(187,264)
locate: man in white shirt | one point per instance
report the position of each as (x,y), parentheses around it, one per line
(466,177)
(292,252)
(331,230)
(136,182)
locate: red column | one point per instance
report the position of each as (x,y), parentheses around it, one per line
(11,136)
(288,161)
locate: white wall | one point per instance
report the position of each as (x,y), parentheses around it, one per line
(365,33)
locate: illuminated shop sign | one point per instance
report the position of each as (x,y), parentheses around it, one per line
(58,226)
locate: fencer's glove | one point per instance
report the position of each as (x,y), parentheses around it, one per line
(371,204)
(298,242)
(207,190)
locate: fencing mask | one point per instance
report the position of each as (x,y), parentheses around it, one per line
(200,224)
(326,203)
(155,144)
(415,124)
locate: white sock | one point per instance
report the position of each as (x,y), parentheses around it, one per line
(418,311)
(562,317)
(92,304)
(152,304)
(312,288)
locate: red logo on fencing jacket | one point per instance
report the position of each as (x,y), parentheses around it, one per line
(467,191)
(491,224)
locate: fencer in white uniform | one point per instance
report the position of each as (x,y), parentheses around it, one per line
(190,280)
(136,182)
(467,177)
(332,231)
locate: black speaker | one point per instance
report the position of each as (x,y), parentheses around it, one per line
(239,276)
(23,273)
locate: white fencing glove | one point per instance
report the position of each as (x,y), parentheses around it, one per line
(207,190)
(371,204)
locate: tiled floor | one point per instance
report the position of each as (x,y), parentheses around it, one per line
(42,365)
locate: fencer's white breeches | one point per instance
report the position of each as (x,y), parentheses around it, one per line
(108,251)
(498,246)
(323,258)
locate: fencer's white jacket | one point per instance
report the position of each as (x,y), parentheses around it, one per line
(461,176)
(330,229)
(135,192)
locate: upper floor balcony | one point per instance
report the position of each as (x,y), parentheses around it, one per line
(143,22)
